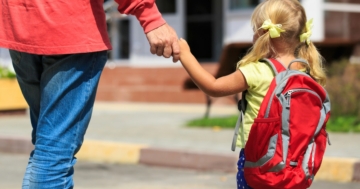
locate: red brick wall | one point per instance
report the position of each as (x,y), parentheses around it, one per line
(354,22)
(129,84)
(342,25)
(336,25)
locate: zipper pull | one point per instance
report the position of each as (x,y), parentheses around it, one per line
(328,138)
(289,92)
(288,98)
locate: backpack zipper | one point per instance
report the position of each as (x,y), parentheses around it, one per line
(284,79)
(289,92)
(288,99)
(287,96)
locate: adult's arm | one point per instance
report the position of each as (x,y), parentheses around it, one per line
(162,38)
(145,11)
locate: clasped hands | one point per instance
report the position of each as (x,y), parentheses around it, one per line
(164,42)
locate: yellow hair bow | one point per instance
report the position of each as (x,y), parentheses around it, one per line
(305,37)
(274,29)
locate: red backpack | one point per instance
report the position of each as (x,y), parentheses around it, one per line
(287,140)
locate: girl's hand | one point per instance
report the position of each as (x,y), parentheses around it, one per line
(184,47)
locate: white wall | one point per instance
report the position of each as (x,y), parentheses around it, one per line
(236,28)
(139,48)
(237,24)
(5,59)
(315,9)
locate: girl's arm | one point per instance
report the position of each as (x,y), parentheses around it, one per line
(223,86)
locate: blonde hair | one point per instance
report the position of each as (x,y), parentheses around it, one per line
(292,17)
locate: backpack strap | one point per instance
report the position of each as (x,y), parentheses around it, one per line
(276,66)
(299,60)
(306,63)
(241,107)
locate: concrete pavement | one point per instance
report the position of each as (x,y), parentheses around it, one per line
(90,175)
(154,134)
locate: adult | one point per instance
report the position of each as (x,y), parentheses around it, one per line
(58,50)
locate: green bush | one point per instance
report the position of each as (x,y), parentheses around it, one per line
(343,87)
(6,73)
(343,124)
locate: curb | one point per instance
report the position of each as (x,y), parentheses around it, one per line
(190,160)
(332,169)
(110,152)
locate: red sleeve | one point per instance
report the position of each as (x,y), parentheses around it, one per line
(145,11)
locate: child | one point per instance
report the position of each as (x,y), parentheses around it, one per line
(281,32)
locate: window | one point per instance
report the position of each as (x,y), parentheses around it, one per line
(200,39)
(166,6)
(124,43)
(199,7)
(240,4)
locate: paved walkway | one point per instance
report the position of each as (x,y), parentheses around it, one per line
(155,134)
(89,175)
(163,126)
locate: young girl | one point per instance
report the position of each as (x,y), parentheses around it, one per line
(281,32)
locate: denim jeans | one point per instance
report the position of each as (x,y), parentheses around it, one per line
(60,91)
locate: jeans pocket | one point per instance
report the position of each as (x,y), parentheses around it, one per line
(15,56)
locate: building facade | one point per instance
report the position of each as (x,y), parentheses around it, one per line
(208,25)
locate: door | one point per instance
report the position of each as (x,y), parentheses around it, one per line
(204,28)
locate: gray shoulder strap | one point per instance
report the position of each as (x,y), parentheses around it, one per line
(299,60)
(269,62)
(239,122)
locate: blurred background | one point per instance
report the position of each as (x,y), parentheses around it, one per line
(148,100)
(219,34)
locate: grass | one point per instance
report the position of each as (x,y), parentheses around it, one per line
(335,124)
(6,73)
(223,122)
(343,124)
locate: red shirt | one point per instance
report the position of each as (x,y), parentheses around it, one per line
(65,26)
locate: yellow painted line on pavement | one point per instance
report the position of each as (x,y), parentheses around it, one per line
(332,169)
(110,152)
(163,107)
(337,169)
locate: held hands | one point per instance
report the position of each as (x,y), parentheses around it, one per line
(184,48)
(164,42)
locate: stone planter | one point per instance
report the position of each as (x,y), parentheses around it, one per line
(11,97)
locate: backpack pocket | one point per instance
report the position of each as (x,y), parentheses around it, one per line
(262,148)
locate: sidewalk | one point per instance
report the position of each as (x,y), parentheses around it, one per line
(155,134)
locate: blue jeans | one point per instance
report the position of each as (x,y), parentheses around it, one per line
(240,178)
(60,91)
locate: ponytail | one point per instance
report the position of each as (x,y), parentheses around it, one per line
(311,54)
(261,48)
(288,18)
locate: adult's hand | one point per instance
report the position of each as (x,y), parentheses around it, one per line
(164,42)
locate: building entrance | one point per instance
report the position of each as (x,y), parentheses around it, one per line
(204,28)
